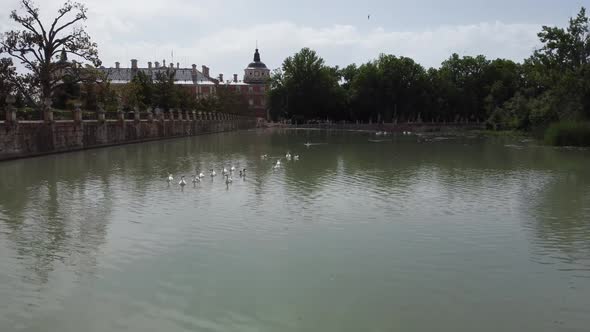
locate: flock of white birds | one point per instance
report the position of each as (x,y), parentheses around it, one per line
(228,173)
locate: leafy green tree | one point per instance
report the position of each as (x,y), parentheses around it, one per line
(560,69)
(305,88)
(41,48)
(165,94)
(145,89)
(232,102)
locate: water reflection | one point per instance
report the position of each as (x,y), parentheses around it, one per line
(418,210)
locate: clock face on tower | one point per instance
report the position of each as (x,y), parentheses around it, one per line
(256,72)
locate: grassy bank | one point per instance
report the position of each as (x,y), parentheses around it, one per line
(568,134)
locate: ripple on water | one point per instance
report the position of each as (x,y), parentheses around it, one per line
(105,244)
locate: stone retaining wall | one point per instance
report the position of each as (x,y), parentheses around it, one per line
(33,138)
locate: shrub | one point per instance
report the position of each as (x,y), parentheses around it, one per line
(568,134)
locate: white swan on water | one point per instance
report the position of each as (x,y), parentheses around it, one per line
(170,178)
(213,173)
(228,179)
(232,169)
(288,156)
(196,179)
(277,165)
(201,175)
(182,182)
(296,157)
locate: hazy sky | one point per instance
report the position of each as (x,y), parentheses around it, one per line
(222,34)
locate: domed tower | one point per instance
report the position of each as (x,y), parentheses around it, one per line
(257,72)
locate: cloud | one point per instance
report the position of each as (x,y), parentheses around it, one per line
(231,48)
(197,32)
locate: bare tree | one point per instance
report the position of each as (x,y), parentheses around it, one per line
(43,49)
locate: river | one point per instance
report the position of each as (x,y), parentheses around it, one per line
(400,233)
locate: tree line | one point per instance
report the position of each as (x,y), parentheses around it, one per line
(553,84)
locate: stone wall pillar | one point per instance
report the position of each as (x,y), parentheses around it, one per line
(194,115)
(159,114)
(120,114)
(78,113)
(100,113)
(47,111)
(10,110)
(136,114)
(180,115)
(150,115)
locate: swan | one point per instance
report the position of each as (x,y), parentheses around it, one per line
(308,144)
(224,171)
(170,178)
(228,179)
(213,174)
(296,157)
(201,175)
(232,169)
(196,179)
(182,182)
(288,156)
(264,157)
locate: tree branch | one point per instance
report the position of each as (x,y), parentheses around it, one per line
(78,18)
(35,14)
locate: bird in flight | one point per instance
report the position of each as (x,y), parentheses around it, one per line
(369,17)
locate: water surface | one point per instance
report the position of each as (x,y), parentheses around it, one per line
(408,234)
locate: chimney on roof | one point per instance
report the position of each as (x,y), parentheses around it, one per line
(220,78)
(235,78)
(149,65)
(157,64)
(117,65)
(133,64)
(164,63)
(171,65)
(205,70)
(194,69)
(178,65)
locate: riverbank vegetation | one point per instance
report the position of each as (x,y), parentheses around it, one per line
(550,86)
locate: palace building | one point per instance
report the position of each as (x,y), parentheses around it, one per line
(253,86)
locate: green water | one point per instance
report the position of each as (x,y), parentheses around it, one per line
(412,234)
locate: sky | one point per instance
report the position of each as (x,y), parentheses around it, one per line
(222,34)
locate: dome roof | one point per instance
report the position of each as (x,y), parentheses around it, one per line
(257,64)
